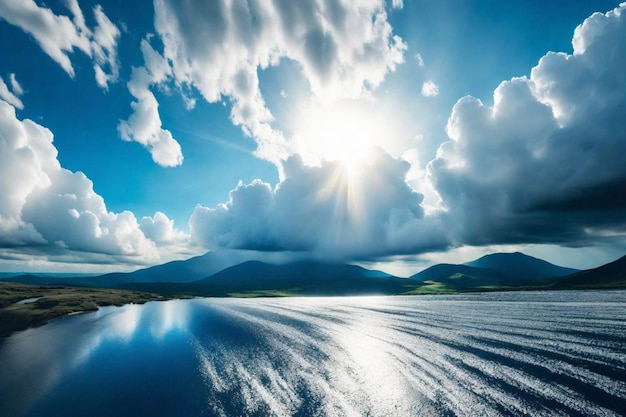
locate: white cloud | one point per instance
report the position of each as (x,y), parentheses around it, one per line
(25,149)
(343,50)
(397,4)
(363,210)
(104,46)
(48,209)
(15,86)
(160,229)
(144,125)
(8,96)
(70,215)
(430,89)
(545,162)
(419,59)
(58,35)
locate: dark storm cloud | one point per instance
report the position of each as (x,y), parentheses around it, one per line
(545,163)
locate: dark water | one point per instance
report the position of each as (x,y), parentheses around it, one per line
(552,353)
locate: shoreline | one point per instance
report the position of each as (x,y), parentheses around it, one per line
(56,302)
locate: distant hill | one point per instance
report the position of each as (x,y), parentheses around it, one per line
(29,279)
(219,273)
(522,267)
(611,275)
(304,277)
(4,275)
(461,277)
(176,271)
(445,270)
(81,281)
(495,271)
(222,274)
(179,271)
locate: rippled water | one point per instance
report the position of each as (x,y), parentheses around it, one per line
(551,353)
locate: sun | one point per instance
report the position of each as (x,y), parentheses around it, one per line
(344,131)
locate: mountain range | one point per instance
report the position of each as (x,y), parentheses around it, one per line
(304,277)
(224,274)
(187,270)
(495,271)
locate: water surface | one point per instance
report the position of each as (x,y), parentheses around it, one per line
(539,353)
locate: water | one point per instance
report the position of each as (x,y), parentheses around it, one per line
(28,300)
(539,353)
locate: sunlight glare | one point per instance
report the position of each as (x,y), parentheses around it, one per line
(344,131)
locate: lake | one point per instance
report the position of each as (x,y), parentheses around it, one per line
(522,353)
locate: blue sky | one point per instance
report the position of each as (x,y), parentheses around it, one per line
(317,129)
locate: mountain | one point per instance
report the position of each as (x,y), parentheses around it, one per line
(5,275)
(221,274)
(495,271)
(227,275)
(445,270)
(611,275)
(304,277)
(41,278)
(178,271)
(521,268)
(461,277)
(45,279)
(28,279)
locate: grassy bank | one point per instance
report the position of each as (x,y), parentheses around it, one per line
(53,302)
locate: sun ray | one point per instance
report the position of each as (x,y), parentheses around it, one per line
(344,131)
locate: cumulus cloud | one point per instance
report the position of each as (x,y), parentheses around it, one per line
(144,125)
(59,35)
(362,210)
(46,206)
(545,162)
(343,49)
(430,89)
(11,97)
(160,229)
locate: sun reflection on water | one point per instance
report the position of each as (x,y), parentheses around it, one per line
(352,356)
